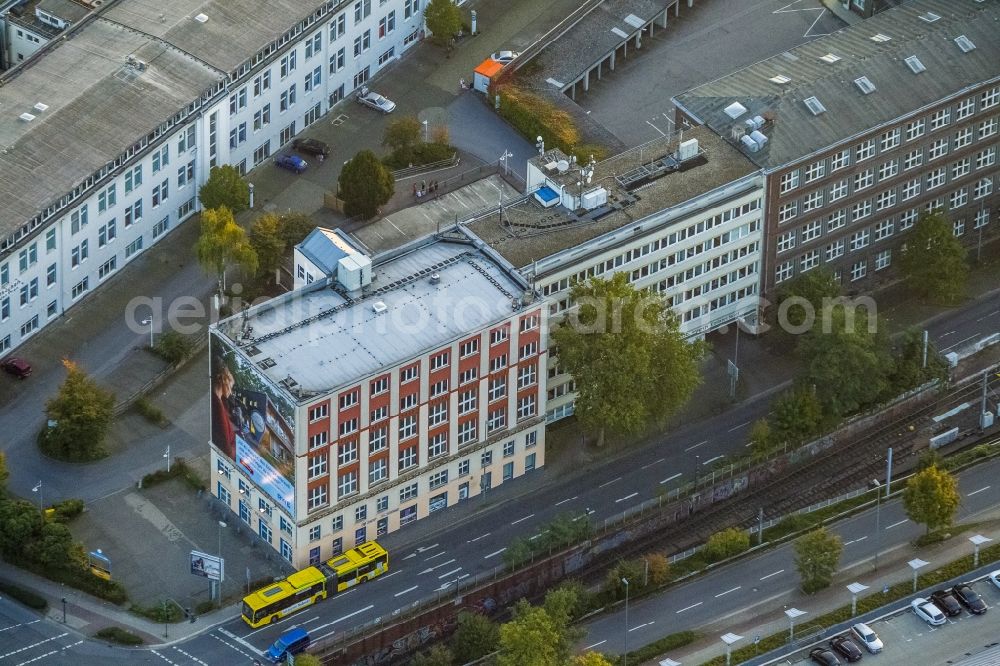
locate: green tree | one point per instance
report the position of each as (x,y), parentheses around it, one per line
(518,552)
(761,439)
(931,498)
(796,415)
(20,522)
(804,298)
(54,548)
(475,636)
(4,475)
(909,371)
(659,568)
(222,242)
(365,184)
(631,570)
(82,412)
(934,260)
(268,243)
(562,605)
(817,555)
(531,638)
(225,187)
(295,227)
(590,659)
(173,346)
(625,351)
(849,364)
(438,655)
(727,543)
(402,133)
(443,19)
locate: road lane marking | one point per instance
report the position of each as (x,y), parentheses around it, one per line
(848,543)
(233,647)
(692,448)
(312,619)
(23,624)
(779,571)
(670,478)
(239,640)
(162,657)
(946,334)
(737,427)
(722,594)
(28,647)
(904,520)
(690,607)
(646,624)
(49,653)
(437,566)
(626,498)
(340,619)
(421,549)
(596,644)
(409,589)
(655,462)
(486,557)
(190,656)
(608,483)
(521,520)
(987,316)
(446,574)
(568,499)
(428,559)
(712,460)
(976,492)
(478,538)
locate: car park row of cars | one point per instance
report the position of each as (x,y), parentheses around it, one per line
(934,610)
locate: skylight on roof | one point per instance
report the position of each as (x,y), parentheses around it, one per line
(879,37)
(913,62)
(814,105)
(865,85)
(830,58)
(779,78)
(964,43)
(735,110)
(930,17)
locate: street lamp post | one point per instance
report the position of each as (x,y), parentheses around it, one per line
(41,504)
(424,123)
(625,654)
(222,524)
(878,527)
(250,187)
(150,323)
(166,455)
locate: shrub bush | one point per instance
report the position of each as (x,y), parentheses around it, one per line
(173,347)
(26,597)
(532,116)
(150,412)
(204,607)
(179,468)
(665,644)
(118,635)
(67,510)
(725,544)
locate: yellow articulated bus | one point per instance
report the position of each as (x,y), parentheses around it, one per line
(312,584)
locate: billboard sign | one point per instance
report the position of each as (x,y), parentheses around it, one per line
(207,566)
(251,423)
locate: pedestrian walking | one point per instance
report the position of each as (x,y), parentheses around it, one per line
(414,189)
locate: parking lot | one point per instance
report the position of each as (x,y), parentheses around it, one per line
(966,639)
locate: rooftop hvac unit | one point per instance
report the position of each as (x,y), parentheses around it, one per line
(40,107)
(594,198)
(26,117)
(354,272)
(758,122)
(435,278)
(759,137)
(550,168)
(687,149)
(749,143)
(562,166)
(378,307)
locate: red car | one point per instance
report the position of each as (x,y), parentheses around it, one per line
(16,366)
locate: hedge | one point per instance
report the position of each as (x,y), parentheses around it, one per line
(26,597)
(118,635)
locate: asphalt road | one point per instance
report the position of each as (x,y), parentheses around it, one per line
(738,589)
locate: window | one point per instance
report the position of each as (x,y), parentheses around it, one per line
(338,27)
(861,210)
(786,241)
(811,231)
(486,459)
(508,471)
(262,118)
(940,118)
(935,178)
(439,388)
(79,254)
(106,269)
(859,269)
(315,532)
(529,323)
(319,412)
(891,139)
(789,181)
(815,171)
(27,257)
(337,523)
(812,201)
(347,483)
(408,401)
(411,8)
(982,188)
(439,361)
(783,272)
(348,399)
(530,439)
(133,247)
(497,419)
(883,229)
(498,388)
(835,249)
(378,439)
(961,167)
(788,211)
(914,129)
(885,199)
(963,138)
(378,470)
(526,407)
(911,188)
(865,150)
(809,260)
(185,141)
(529,349)
(526,375)
(380,385)
(907,218)
(468,347)
(133,178)
(990,98)
(987,128)
(463,468)
(317,466)
(106,198)
(959,198)
(438,479)
(437,445)
(287,100)
(467,401)
(840,160)
(864,179)
(317,497)
(467,432)
(407,427)
(319,439)
(133,213)
(499,335)
(986,157)
(348,426)
(913,159)
(498,363)
(982,219)
(161,159)
(407,457)
(965,108)
(287,64)
(937,149)
(860,239)
(78,219)
(407,493)
(29,291)
(508,449)
(160,193)
(437,414)
(468,375)
(379,414)
(958,227)
(838,190)
(409,374)
(888,170)
(883,259)
(314,44)
(50,276)
(338,60)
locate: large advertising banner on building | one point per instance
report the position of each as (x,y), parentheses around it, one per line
(251,424)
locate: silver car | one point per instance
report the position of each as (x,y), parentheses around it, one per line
(868,638)
(928,612)
(372,99)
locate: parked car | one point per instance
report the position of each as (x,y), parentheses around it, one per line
(995,577)
(867,638)
(969,598)
(311,147)
(372,99)
(16,366)
(928,612)
(504,56)
(292,642)
(947,602)
(291,162)
(823,656)
(846,648)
